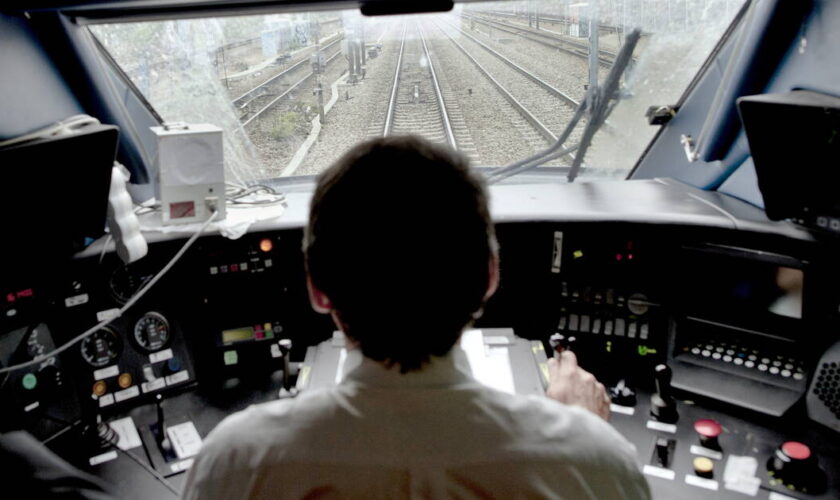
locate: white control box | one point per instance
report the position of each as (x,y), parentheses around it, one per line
(191,170)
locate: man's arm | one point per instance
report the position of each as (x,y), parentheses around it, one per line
(572,385)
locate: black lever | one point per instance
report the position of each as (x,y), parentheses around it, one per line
(160,426)
(663,407)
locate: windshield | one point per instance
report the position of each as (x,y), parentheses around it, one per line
(498,81)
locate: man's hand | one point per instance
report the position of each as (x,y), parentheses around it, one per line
(570,384)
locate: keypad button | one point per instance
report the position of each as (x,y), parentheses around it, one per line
(762,367)
(749,364)
(727,358)
(739,361)
(774,370)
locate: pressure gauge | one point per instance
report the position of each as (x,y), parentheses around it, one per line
(152,331)
(101,348)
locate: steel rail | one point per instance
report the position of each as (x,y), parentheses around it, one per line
(518,106)
(294,67)
(284,94)
(605,57)
(450,135)
(392,102)
(536,79)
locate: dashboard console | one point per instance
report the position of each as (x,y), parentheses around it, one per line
(718,340)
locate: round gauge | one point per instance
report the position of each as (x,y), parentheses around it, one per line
(152,331)
(101,348)
(125,281)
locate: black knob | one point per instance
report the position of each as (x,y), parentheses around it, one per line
(622,394)
(663,407)
(794,466)
(662,452)
(560,342)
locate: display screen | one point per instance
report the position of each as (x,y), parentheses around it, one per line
(257,332)
(745,290)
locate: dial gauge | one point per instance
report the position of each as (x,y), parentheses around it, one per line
(152,331)
(101,348)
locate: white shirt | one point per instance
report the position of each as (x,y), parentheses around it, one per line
(436,433)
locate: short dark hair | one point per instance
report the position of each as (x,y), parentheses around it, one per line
(400,240)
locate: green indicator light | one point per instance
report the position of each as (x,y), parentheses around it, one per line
(231,358)
(29,381)
(577,254)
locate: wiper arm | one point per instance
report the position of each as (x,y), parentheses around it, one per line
(600,100)
(597,102)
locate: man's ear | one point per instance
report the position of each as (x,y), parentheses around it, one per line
(492,276)
(319,301)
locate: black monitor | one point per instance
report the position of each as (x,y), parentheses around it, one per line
(794,140)
(54,197)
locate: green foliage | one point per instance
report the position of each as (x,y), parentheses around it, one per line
(284,126)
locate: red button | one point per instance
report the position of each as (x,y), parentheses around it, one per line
(796,450)
(707,427)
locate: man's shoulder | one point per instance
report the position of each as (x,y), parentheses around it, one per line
(268,422)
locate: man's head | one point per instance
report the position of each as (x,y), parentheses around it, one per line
(400,248)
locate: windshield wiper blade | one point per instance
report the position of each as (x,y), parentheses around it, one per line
(599,100)
(596,102)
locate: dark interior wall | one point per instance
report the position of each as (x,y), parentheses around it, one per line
(32,92)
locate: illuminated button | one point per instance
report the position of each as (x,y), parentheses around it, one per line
(266,245)
(798,376)
(796,450)
(777,363)
(562,324)
(738,361)
(727,358)
(173,365)
(608,327)
(214,270)
(100,388)
(243,266)
(709,347)
(584,323)
(786,373)
(788,366)
(574,322)
(125,380)
(730,352)
(703,467)
(596,325)
(268,263)
(716,355)
(631,330)
(762,367)
(705,353)
(695,350)
(765,361)
(29,381)
(752,357)
(223,269)
(234,268)
(719,349)
(749,364)
(644,331)
(774,370)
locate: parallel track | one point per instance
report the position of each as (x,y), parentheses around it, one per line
(557,42)
(277,97)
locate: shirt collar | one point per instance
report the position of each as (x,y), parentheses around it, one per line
(440,371)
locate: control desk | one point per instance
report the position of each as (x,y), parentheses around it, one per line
(718,347)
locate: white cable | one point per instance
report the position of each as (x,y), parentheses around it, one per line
(64,127)
(137,296)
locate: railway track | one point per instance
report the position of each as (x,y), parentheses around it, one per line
(557,42)
(420,101)
(269,91)
(524,121)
